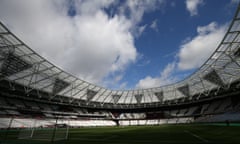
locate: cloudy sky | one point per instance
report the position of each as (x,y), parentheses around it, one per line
(121,44)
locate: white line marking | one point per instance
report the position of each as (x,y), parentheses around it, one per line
(196,136)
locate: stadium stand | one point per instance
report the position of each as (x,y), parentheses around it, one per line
(36,94)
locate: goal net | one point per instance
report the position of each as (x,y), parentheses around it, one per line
(44,129)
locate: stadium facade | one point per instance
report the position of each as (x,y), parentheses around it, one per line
(36,93)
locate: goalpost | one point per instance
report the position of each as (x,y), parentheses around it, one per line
(45,129)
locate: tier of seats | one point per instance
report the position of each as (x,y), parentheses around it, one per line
(156,121)
(45,123)
(14,107)
(132,116)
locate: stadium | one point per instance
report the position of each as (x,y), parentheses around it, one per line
(41,103)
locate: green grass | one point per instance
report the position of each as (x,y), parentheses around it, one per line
(163,134)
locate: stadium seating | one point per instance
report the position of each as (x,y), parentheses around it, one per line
(225,106)
(191,111)
(132,116)
(210,94)
(31,105)
(232,117)
(3,102)
(17,103)
(212,107)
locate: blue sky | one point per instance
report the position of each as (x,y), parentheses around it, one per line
(174,24)
(122,44)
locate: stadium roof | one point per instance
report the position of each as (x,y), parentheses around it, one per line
(20,64)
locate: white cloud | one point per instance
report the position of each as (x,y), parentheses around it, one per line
(164,78)
(91,6)
(83,45)
(123,85)
(141,29)
(91,45)
(235,1)
(192,6)
(148,82)
(173,4)
(154,25)
(137,8)
(193,53)
(142,60)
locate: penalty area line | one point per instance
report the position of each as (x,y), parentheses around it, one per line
(196,136)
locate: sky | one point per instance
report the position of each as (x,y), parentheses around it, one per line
(121,44)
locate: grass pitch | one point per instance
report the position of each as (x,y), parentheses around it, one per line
(163,134)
